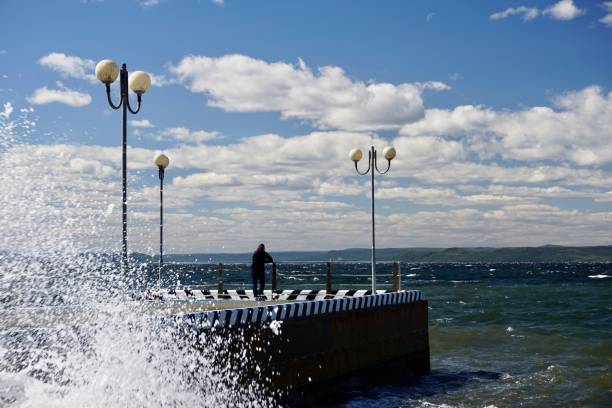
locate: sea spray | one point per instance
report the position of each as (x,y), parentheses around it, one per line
(71,332)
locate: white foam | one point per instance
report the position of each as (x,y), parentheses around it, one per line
(599,276)
(75,340)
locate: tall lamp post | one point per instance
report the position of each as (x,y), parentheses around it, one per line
(139,82)
(161,161)
(355,155)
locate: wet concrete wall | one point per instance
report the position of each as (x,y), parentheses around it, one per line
(303,349)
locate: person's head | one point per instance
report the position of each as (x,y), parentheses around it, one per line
(261,247)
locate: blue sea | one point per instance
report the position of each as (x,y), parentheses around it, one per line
(501,335)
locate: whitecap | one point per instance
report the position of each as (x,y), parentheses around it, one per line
(410,275)
(601,276)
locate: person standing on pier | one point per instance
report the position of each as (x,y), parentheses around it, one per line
(258,270)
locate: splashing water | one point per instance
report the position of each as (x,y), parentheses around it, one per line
(70,334)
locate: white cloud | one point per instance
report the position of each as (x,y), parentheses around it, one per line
(153,3)
(149,3)
(142,123)
(160,80)
(70,66)
(607,19)
(327,97)
(528,13)
(564,10)
(183,134)
(198,180)
(433,85)
(283,181)
(6,111)
(577,131)
(90,167)
(66,96)
(418,151)
(445,196)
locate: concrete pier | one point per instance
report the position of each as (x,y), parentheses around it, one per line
(300,347)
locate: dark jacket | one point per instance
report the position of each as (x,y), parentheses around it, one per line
(260,258)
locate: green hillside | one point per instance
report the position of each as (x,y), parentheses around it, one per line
(548,253)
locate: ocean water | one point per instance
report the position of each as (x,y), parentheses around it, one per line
(508,335)
(501,335)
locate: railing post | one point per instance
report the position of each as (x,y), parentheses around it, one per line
(395,285)
(328,278)
(220,277)
(274,287)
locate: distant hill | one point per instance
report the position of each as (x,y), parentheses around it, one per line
(547,253)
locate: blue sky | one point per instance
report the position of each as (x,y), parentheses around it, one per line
(500,112)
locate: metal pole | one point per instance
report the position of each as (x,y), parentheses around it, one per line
(328,277)
(373,165)
(124,96)
(220,278)
(161,226)
(396,277)
(274,278)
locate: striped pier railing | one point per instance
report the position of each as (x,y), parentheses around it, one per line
(243,294)
(299,308)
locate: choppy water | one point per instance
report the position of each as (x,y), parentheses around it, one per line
(501,335)
(512,335)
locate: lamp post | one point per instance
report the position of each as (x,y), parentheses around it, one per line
(355,155)
(139,82)
(161,161)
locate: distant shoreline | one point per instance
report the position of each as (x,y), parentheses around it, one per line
(548,253)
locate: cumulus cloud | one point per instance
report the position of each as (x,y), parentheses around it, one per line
(185,135)
(7,109)
(149,3)
(563,10)
(66,96)
(527,13)
(70,66)
(417,151)
(90,167)
(327,97)
(607,19)
(283,180)
(446,196)
(160,80)
(574,129)
(141,123)
(433,85)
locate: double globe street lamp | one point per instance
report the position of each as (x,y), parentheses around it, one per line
(139,82)
(355,155)
(161,161)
